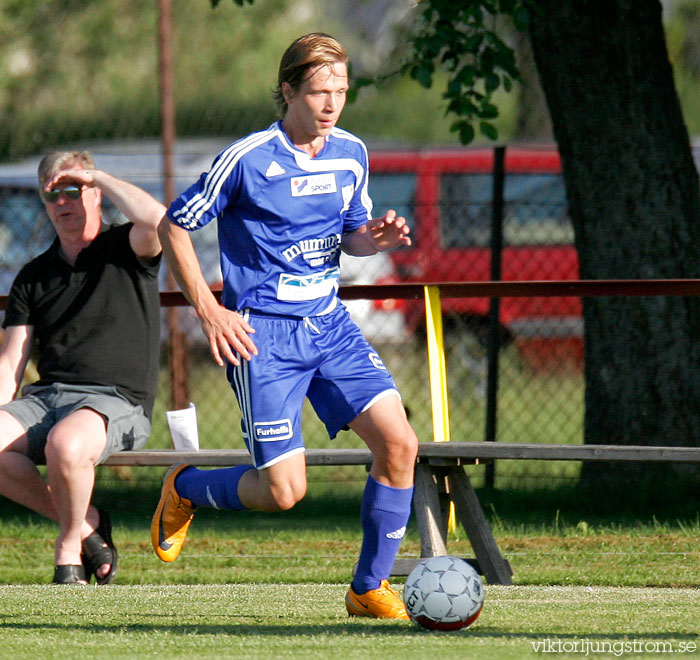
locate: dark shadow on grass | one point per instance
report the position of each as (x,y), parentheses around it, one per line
(131,506)
(337,506)
(664,503)
(340,629)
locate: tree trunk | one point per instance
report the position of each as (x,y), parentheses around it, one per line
(533,122)
(634,200)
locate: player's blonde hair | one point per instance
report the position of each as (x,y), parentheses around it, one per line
(55,161)
(303,54)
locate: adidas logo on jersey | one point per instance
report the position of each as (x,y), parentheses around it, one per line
(274,169)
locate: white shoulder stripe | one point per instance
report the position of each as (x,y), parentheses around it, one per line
(215,178)
(362,179)
(202,202)
(342,134)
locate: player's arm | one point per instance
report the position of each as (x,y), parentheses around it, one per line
(14,355)
(226,330)
(140,208)
(377,235)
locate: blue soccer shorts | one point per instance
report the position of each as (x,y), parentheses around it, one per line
(325,358)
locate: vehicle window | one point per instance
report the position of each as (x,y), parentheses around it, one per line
(395,190)
(465,210)
(25,230)
(535,211)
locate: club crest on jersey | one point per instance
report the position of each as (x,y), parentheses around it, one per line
(313,184)
(376,361)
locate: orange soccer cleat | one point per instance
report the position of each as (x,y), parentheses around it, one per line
(380,603)
(172,518)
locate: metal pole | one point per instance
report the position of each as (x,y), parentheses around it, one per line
(176,342)
(494,335)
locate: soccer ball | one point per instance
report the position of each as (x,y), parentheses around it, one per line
(443,593)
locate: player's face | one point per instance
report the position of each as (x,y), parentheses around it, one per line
(78,218)
(314,108)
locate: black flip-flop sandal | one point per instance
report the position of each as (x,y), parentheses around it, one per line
(70,574)
(98,549)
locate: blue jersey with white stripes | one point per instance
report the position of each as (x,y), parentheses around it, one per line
(281,216)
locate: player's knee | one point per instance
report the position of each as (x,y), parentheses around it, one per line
(396,460)
(285,497)
(402,448)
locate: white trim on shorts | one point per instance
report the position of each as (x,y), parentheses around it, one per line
(380,396)
(278,459)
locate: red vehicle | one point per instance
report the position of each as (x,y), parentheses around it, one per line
(447,197)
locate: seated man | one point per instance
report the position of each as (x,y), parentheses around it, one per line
(90,304)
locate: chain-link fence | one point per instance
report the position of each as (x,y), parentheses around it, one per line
(86,74)
(447,196)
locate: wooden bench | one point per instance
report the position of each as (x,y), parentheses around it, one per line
(440,477)
(440,481)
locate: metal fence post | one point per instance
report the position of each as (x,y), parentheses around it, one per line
(494,337)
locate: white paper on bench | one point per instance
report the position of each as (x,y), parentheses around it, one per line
(183,428)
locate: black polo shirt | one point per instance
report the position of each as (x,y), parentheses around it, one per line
(96,322)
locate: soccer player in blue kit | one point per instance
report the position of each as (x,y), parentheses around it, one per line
(288,199)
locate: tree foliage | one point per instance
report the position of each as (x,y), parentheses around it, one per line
(466,41)
(461,40)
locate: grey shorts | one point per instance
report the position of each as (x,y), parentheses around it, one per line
(41,407)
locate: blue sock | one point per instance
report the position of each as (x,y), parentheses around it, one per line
(385,513)
(217,489)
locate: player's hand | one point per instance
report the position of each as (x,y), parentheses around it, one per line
(229,336)
(389,231)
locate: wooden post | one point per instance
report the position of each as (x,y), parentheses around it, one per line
(176,341)
(427,511)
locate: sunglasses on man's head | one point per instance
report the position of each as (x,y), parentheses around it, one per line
(72,192)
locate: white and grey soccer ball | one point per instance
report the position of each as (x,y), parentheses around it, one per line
(443,593)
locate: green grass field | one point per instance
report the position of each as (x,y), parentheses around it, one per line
(309,621)
(272,585)
(592,577)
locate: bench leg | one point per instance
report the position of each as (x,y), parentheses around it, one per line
(496,569)
(427,509)
(430,512)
